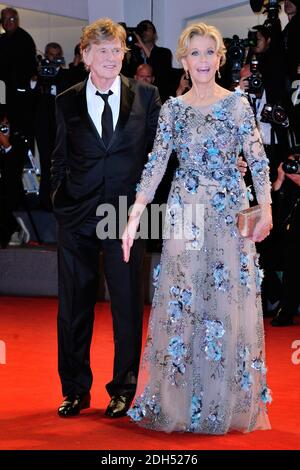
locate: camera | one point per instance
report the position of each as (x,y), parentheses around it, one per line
(272,8)
(49,69)
(292,166)
(130,36)
(4,128)
(236,53)
(255,79)
(274,114)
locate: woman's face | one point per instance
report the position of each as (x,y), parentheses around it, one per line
(202,60)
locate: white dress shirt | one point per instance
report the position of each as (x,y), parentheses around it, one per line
(263,127)
(95,103)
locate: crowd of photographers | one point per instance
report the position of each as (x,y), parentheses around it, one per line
(265,66)
(269,75)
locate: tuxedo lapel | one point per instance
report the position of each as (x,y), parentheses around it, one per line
(127,96)
(83,112)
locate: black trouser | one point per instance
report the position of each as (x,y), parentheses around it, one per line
(290,298)
(11,192)
(283,256)
(8,223)
(21,113)
(276,154)
(78,257)
(45,139)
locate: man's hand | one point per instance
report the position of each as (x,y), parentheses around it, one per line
(139,43)
(242,166)
(244,76)
(4,140)
(244,84)
(280,178)
(183,85)
(294,178)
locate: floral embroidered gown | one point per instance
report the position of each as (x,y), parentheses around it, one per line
(203,368)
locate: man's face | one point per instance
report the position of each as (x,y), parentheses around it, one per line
(53,53)
(289,8)
(9,22)
(262,44)
(105,59)
(148,33)
(144,74)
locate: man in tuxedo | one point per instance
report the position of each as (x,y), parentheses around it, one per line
(105,127)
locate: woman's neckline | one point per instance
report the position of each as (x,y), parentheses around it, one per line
(188,105)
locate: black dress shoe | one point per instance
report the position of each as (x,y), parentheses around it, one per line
(72,405)
(118,406)
(282,319)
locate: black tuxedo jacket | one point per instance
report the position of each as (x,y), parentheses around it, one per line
(85,172)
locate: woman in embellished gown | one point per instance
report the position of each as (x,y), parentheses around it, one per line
(203,368)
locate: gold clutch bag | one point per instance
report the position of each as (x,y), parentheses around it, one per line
(247,220)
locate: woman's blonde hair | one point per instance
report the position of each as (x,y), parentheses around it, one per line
(102,30)
(202,30)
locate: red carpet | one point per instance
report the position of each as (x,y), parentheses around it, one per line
(30,390)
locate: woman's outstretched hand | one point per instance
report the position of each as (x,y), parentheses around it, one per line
(129,233)
(128,236)
(127,242)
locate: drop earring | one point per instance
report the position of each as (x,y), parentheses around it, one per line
(187,75)
(218,74)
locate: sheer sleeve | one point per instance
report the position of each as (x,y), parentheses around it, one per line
(157,162)
(254,152)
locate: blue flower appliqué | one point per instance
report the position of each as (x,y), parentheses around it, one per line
(196,408)
(182,302)
(219,201)
(191,182)
(176,347)
(156,272)
(221,276)
(213,346)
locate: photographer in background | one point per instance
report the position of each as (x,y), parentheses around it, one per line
(52,79)
(77,70)
(264,78)
(13,152)
(285,238)
(291,38)
(145,51)
(18,66)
